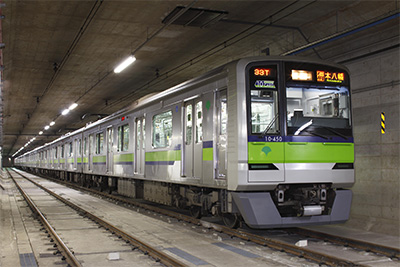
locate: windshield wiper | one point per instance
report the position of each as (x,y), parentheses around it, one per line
(334,131)
(316,134)
(269,126)
(303,127)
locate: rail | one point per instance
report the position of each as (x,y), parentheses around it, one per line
(158,255)
(345,241)
(66,252)
(318,257)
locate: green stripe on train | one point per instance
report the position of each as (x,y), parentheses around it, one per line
(169,155)
(263,152)
(300,152)
(319,152)
(99,159)
(124,158)
(208,154)
(70,160)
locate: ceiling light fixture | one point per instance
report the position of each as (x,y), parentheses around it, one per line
(52,123)
(46,127)
(41,132)
(65,112)
(74,105)
(125,64)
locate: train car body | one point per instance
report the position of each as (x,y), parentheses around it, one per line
(264,139)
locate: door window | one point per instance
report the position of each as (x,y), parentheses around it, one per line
(199,122)
(189,124)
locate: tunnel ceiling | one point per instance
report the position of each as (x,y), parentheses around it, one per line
(56,53)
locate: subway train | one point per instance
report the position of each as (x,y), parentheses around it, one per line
(263,140)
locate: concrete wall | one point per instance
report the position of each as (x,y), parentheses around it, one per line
(376,89)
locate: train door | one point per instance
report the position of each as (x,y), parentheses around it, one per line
(220,166)
(140,145)
(110,143)
(193,139)
(91,151)
(75,155)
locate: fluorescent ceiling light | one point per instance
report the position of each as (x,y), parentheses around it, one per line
(46,127)
(125,64)
(52,123)
(41,132)
(65,112)
(74,105)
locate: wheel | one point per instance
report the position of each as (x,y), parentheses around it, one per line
(231,220)
(195,211)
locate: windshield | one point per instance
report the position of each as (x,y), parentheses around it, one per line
(322,111)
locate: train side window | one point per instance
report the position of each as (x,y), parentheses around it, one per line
(56,152)
(189,124)
(123,137)
(99,143)
(199,122)
(62,151)
(70,150)
(162,129)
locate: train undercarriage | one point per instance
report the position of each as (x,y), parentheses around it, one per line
(289,200)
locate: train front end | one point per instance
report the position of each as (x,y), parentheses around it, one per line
(299,143)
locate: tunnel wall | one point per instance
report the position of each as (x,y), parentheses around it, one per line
(376,89)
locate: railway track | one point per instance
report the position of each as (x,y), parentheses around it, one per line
(321,258)
(67,254)
(393,253)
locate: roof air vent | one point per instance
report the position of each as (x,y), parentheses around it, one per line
(195,17)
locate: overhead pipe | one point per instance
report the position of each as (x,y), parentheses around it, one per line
(338,36)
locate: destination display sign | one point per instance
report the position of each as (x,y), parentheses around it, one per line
(331,77)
